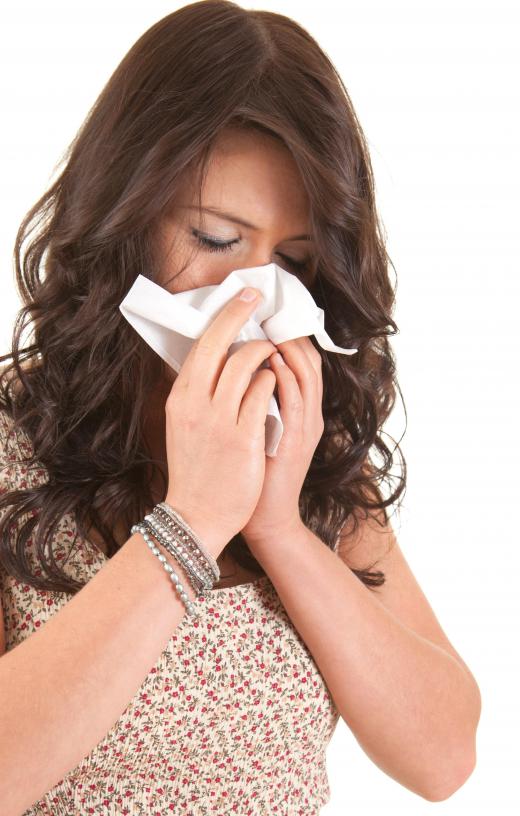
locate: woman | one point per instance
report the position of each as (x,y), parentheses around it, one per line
(224,140)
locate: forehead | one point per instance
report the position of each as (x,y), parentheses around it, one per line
(255,176)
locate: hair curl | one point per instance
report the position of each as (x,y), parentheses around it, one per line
(205,67)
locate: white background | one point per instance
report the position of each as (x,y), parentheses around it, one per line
(433,86)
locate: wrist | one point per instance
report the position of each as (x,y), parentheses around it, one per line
(257,537)
(206,531)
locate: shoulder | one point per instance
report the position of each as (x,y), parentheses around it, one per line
(14,441)
(18,468)
(6,420)
(8,436)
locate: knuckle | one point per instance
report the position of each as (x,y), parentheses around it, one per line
(263,344)
(254,347)
(187,422)
(296,403)
(173,406)
(314,353)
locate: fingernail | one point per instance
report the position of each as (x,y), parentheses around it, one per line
(248,294)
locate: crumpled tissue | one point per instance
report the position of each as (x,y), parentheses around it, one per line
(170,322)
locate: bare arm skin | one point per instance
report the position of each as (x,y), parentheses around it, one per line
(63,688)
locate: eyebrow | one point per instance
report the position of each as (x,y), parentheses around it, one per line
(242,222)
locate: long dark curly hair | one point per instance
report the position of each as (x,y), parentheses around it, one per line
(84,379)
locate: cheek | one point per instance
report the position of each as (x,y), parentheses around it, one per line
(193,268)
(177,271)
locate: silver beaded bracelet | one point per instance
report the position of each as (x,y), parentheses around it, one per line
(171,530)
(176,581)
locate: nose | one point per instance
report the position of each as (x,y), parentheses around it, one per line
(262,257)
(261,251)
(258,260)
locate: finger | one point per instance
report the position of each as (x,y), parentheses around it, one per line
(308,378)
(316,361)
(207,356)
(254,407)
(237,374)
(306,344)
(292,405)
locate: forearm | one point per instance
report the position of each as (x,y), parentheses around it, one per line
(64,687)
(411,706)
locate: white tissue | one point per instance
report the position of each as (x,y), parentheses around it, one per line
(171,322)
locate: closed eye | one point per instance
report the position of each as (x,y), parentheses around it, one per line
(213,245)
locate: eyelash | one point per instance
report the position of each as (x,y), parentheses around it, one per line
(220,246)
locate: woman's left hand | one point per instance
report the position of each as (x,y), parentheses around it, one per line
(300,394)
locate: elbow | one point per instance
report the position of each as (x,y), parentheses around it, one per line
(451,782)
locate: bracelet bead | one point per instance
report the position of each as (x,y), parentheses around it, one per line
(175,579)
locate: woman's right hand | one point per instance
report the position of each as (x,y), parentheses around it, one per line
(215,428)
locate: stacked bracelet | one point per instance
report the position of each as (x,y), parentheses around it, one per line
(170,530)
(202,577)
(185,598)
(182,527)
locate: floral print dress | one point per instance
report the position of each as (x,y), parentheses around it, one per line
(233,718)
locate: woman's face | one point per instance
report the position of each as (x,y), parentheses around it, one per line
(252,177)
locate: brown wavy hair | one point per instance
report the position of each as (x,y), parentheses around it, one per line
(80,399)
